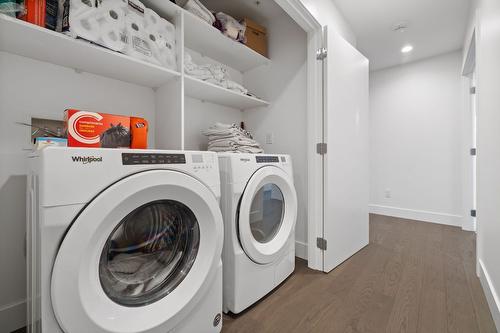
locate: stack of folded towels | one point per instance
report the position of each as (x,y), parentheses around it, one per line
(215,74)
(197,8)
(231,138)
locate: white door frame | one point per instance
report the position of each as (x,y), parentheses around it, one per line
(469,129)
(298,12)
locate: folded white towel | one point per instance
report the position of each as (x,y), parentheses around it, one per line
(231,138)
(215,74)
(197,8)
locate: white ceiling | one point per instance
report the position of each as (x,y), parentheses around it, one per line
(434,27)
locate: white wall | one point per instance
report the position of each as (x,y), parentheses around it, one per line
(488,159)
(200,115)
(284,83)
(327,14)
(416,140)
(32,88)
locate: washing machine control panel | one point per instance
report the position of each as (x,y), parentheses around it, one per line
(267,159)
(152,158)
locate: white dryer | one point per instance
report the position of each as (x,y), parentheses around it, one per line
(124,241)
(259,206)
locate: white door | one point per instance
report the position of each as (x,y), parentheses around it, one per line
(346,171)
(473,162)
(139,256)
(267,214)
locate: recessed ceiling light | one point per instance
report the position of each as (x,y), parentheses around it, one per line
(407,48)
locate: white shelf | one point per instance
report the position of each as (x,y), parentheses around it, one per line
(212,93)
(210,42)
(28,40)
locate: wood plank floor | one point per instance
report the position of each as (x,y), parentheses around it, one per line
(412,277)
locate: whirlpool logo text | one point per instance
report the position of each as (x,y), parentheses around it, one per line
(86,159)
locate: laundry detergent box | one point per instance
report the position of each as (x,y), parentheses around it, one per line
(93,129)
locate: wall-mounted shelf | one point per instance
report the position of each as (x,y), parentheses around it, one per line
(207,40)
(28,40)
(212,93)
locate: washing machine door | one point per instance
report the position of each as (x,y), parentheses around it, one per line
(267,214)
(139,256)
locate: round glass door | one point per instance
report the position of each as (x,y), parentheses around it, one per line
(266,212)
(139,257)
(149,253)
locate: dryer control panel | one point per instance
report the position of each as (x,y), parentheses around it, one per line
(267,159)
(152,158)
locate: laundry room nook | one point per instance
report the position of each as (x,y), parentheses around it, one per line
(49,77)
(207,166)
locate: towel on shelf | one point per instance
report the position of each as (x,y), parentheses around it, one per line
(231,138)
(198,9)
(215,74)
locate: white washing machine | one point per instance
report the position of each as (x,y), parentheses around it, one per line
(259,206)
(124,241)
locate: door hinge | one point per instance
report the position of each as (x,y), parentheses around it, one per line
(321,243)
(472,90)
(321,148)
(321,53)
(473,213)
(473,151)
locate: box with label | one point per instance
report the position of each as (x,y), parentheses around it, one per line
(92,129)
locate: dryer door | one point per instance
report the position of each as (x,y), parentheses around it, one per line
(267,214)
(139,257)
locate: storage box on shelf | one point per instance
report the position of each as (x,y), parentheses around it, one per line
(256,37)
(28,40)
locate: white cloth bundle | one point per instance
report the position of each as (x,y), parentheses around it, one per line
(230,138)
(215,74)
(197,8)
(125,26)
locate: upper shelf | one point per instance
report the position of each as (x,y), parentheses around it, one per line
(28,40)
(207,40)
(212,93)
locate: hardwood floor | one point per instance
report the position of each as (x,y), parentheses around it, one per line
(412,277)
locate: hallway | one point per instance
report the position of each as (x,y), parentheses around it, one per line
(412,277)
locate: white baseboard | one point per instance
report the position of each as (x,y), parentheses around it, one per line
(491,294)
(419,215)
(301,250)
(13,316)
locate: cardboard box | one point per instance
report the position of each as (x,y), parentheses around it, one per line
(256,37)
(92,129)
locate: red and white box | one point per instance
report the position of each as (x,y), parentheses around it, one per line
(92,129)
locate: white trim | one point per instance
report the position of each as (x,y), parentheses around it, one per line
(13,315)
(419,215)
(491,294)
(315,161)
(468,223)
(301,250)
(298,12)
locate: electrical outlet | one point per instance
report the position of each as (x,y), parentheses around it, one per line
(269,138)
(388,193)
